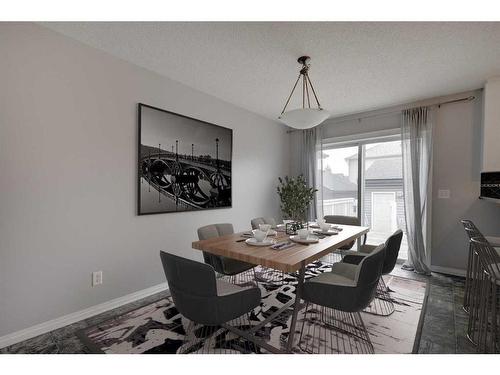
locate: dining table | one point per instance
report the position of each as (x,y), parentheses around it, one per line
(289,260)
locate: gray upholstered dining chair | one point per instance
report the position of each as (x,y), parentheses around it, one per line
(334,300)
(209,304)
(342,220)
(382,303)
(345,220)
(263,220)
(234,269)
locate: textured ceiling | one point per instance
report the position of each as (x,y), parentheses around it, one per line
(355,66)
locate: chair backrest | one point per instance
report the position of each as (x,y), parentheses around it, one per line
(188,276)
(368,274)
(342,220)
(370,268)
(392,246)
(262,220)
(489,259)
(470,229)
(191,284)
(213,231)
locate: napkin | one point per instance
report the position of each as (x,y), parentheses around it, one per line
(282,245)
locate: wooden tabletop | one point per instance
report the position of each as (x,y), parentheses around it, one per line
(288,260)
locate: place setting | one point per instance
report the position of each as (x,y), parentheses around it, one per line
(305,237)
(314,232)
(322,228)
(260,238)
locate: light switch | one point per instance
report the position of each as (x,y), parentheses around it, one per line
(443,194)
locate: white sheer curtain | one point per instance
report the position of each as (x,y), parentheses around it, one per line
(309,164)
(416,142)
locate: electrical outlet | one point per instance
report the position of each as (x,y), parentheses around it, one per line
(96,278)
(443,194)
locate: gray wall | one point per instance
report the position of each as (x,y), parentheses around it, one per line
(68,150)
(457,167)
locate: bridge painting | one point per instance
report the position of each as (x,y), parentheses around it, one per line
(189,171)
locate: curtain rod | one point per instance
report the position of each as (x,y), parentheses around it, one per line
(467,99)
(402,108)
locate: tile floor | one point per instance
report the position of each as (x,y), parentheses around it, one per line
(444,328)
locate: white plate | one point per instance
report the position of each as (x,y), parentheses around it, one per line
(310,239)
(272,232)
(253,242)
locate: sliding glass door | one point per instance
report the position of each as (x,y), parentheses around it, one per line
(368,170)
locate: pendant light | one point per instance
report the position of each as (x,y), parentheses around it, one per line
(305,117)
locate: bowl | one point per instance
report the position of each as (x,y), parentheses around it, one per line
(325,227)
(259,235)
(303,233)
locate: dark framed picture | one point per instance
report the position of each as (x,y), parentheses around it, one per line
(490,185)
(184,163)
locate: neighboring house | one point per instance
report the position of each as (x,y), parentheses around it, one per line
(339,194)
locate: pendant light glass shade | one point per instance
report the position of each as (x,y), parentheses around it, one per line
(304,118)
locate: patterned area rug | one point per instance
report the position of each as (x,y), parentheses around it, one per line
(159,328)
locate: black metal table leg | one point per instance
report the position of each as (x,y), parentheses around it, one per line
(296,308)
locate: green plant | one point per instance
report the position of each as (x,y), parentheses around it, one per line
(295,197)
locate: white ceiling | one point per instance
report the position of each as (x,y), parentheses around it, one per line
(355,66)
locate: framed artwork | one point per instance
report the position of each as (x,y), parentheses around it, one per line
(490,185)
(184,163)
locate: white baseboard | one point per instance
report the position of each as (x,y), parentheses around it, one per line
(25,334)
(448,270)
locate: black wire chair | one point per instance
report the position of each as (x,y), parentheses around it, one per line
(483,298)
(332,321)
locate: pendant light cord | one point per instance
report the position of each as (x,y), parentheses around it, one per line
(294,86)
(306,83)
(314,92)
